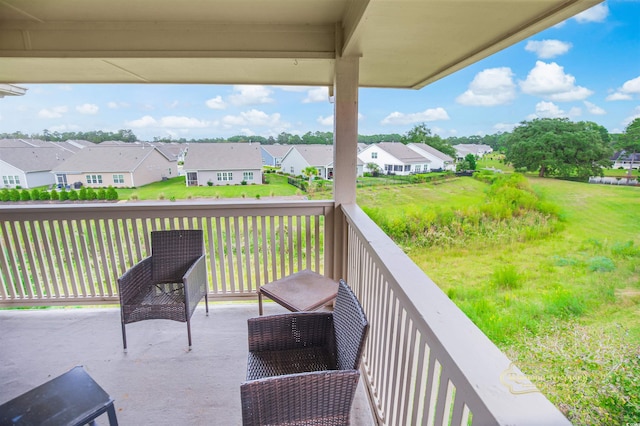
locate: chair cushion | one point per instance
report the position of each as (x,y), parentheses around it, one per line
(291,361)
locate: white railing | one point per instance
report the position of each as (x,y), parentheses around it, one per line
(425,362)
(73,254)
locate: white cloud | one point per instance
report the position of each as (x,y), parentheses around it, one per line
(216,103)
(626,92)
(493,86)
(146,121)
(55,112)
(549,81)
(431,114)
(326,121)
(597,13)
(504,127)
(253,117)
(546,49)
(628,120)
(318,94)
(250,95)
(87,109)
(550,110)
(181,122)
(594,109)
(64,128)
(116,105)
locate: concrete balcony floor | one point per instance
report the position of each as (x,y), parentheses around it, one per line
(158,381)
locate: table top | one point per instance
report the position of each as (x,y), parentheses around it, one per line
(303,291)
(73,398)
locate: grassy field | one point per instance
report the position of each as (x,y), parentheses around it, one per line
(176,189)
(564,306)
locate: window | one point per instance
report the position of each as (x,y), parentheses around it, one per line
(388,167)
(62,180)
(118,178)
(374,155)
(418,168)
(292,170)
(407,168)
(11,180)
(225,176)
(247,176)
(94,178)
(397,168)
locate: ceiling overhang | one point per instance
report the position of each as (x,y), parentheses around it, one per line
(401,43)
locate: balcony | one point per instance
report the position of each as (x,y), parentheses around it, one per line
(424,362)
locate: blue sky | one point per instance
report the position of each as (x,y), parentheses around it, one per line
(586,68)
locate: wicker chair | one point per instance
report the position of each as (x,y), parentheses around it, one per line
(303,366)
(169,284)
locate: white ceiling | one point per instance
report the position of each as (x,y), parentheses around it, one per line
(401,43)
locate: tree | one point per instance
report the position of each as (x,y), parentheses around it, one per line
(629,141)
(558,147)
(373,168)
(422,134)
(310,172)
(469,163)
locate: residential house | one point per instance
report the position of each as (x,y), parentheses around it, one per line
(439,160)
(623,160)
(302,156)
(478,150)
(119,165)
(223,164)
(394,158)
(29,167)
(272,155)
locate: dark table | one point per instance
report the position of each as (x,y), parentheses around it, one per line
(303,291)
(73,398)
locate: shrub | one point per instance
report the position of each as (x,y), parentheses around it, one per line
(35,194)
(210,183)
(24,195)
(101,194)
(54,195)
(14,195)
(112,194)
(601,264)
(82,194)
(5,195)
(91,194)
(64,195)
(244,182)
(257,196)
(44,196)
(73,195)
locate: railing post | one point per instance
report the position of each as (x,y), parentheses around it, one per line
(344,153)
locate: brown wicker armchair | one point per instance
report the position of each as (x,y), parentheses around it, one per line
(303,367)
(169,284)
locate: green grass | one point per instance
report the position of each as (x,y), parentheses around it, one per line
(583,278)
(175,189)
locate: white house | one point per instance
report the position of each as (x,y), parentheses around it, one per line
(223,164)
(272,155)
(30,167)
(313,155)
(394,158)
(478,150)
(439,160)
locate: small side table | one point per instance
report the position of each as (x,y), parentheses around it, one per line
(73,398)
(303,291)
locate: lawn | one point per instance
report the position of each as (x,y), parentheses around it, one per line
(564,306)
(175,189)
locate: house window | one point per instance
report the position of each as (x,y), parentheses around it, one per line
(418,168)
(247,176)
(118,178)
(374,155)
(11,180)
(94,178)
(397,168)
(407,167)
(292,170)
(388,167)
(62,180)
(225,176)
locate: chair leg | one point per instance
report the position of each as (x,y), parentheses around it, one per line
(259,302)
(189,331)
(206,303)
(124,337)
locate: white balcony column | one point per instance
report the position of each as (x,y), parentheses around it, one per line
(345,142)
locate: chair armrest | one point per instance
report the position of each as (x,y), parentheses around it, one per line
(300,398)
(195,283)
(290,331)
(133,280)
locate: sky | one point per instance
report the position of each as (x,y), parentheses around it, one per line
(586,68)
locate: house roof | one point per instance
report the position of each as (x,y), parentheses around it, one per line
(34,159)
(400,43)
(106,159)
(402,152)
(316,154)
(427,148)
(276,150)
(223,156)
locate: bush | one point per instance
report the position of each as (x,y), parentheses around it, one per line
(112,194)
(244,182)
(54,195)
(35,194)
(64,195)
(14,195)
(44,196)
(73,195)
(5,195)
(101,194)
(24,195)
(82,194)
